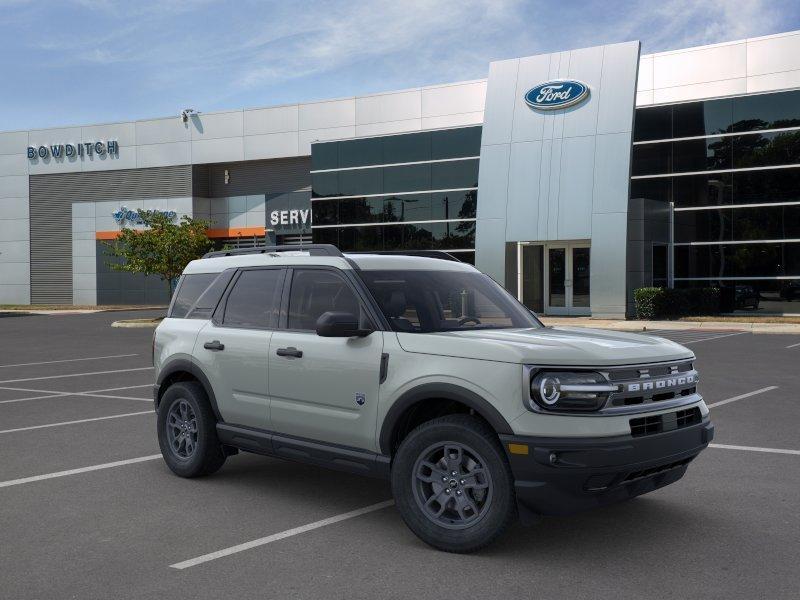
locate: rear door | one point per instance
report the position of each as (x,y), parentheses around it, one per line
(232,349)
(324,389)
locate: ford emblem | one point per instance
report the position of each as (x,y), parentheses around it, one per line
(556,94)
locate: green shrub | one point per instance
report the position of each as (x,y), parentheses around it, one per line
(661,303)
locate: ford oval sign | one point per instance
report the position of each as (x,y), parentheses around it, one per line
(556,94)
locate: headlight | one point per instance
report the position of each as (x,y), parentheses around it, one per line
(570,390)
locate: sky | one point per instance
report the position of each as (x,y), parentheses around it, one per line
(72,62)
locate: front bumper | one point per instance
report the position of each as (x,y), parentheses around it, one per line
(560,476)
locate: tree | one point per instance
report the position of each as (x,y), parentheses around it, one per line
(163,248)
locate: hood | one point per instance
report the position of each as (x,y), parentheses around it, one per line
(573,346)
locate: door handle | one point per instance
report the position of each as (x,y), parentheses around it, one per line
(290,351)
(215,345)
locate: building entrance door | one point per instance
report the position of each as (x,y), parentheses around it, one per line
(553,278)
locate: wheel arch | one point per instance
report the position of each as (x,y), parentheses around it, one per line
(185,370)
(411,400)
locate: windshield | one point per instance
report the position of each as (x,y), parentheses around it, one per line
(434,301)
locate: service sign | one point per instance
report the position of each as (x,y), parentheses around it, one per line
(556,94)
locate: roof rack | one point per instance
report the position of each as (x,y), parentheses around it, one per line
(312,249)
(440,254)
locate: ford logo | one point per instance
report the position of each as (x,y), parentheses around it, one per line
(556,94)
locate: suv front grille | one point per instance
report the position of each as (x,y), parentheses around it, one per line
(652,383)
(666,422)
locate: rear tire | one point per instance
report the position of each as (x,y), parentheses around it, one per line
(455,513)
(187,431)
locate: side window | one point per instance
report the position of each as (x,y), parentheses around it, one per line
(316,291)
(189,290)
(253,301)
(208,300)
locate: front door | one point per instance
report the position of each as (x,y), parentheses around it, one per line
(567,277)
(321,388)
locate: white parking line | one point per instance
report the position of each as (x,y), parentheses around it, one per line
(146,412)
(715,337)
(282,535)
(792,346)
(66,360)
(754,449)
(60,394)
(747,395)
(77,374)
(110,465)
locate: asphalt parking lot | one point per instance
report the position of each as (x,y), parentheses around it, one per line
(89,510)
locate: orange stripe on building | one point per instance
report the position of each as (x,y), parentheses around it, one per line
(212,233)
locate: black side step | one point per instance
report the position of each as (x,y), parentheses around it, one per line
(331,456)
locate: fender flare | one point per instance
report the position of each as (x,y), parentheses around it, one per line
(184,365)
(447,391)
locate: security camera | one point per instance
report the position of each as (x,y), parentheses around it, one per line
(185,113)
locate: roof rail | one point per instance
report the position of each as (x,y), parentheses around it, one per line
(312,249)
(440,254)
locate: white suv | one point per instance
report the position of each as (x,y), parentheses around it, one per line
(422,370)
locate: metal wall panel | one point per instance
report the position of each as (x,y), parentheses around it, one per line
(259,177)
(51,199)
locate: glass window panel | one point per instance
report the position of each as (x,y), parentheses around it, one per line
(359,153)
(458,235)
(778,185)
(653,124)
(347,239)
(465,257)
(327,235)
(652,159)
(738,260)
(325,212)
(557,271)
(411,207)
(413,147)
(766,111)
(702,155)
(253,300)
(324,184)
(190,289)
(325,156)
(702,190)
(454,205)
(361,210)
(580,277)
(652,189)
(317,291)
(747,296)
(360,181)
(767,149)
(702,118)
(660,262)
(392,237)
(456,174)
(407,179)
(703,225)
(454,143)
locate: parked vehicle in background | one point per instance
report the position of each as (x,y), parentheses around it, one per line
(423,370)
(746,297)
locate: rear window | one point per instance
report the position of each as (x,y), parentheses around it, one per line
(189,289)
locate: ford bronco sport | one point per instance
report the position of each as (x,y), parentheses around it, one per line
(422,370)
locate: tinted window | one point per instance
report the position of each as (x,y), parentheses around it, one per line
(738,260)
(454,143)
(407,148)
(653,124)
(359,153)
(208,300)
(767,149)
(766,111)
(325,212)
(318,291)
(360,181)
(454,205)
(253,301)
(410,207)
(189,290)
(456,174)
(324,156)
(409,178)
(701,118)
(738,224)
(702,155)
(325,184)
(702,190)
(431,301)
(652,189)
(778,185)
(651,159)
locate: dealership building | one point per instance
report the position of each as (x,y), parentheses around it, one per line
(572,178)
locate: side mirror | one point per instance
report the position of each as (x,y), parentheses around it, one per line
(340,324)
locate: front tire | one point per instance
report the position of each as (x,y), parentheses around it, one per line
(187,431)
(452,484)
